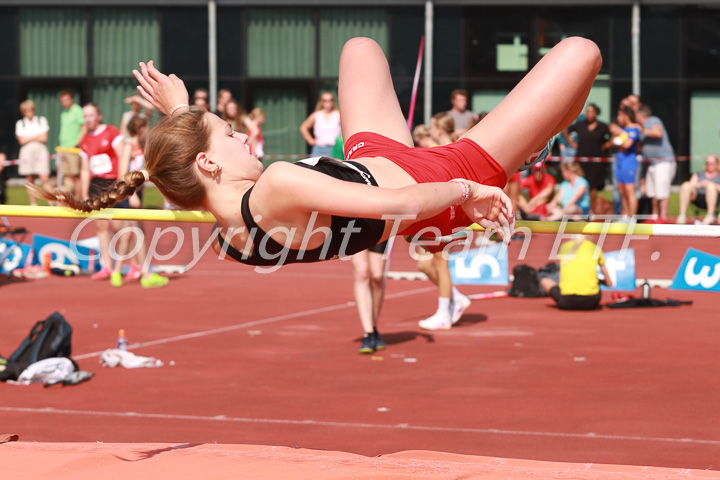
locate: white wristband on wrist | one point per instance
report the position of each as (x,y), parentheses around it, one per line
(176,107)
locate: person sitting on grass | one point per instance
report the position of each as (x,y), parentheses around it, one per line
(573,197)
(321,208)
(540,187)
(702,189)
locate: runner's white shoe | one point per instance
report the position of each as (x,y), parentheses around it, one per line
(459,305)
(440,320)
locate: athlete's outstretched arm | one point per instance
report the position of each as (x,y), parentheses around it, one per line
(162,91)
(289,190)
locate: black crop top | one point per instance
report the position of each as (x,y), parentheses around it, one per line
(363,233)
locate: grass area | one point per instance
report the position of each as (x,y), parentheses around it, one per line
(17,195)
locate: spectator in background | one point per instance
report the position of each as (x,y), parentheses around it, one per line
(325,125)
(422,138)
(200,98)
(573,197)
(132,159)
(540,187)
(626,164)
(3,178)
(257,146)
(657,149)
(460,113)
(72,130)
(578,287)
(239,120)
(593,139)
(224,96)
(632,101)
(137,103)
(100,152)
(702,189)
(442,128)
(32,135)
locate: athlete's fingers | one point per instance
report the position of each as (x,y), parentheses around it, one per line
(148,97)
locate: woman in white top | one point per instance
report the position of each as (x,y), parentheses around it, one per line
(32,135)
(325,123)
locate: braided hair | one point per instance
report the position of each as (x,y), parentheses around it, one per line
(170,151)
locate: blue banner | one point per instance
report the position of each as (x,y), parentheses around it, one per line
(62,252)
(698,271)
(621,267)
(14,255)
(480,266)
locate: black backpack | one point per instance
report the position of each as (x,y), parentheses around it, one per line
(526,282)
(47,339)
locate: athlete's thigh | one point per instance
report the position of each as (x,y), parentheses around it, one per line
(548,99)
(367,98)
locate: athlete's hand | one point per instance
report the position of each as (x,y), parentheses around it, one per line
(492,209)
(162,91)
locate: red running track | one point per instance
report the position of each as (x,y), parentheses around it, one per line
(272,360)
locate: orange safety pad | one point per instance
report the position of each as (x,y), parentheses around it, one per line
(213,461)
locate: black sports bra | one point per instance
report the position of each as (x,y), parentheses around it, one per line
(347,236)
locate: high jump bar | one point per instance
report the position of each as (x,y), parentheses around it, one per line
(184,216)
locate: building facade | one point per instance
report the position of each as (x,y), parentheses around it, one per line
(280,55)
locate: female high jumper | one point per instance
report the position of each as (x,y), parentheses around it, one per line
(319,208)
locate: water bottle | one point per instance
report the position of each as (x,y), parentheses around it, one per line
(646,290)
(122,343)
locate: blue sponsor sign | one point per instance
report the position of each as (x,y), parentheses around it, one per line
(62,252)
(480,266)
(621,267)
(698,271)
(14,255)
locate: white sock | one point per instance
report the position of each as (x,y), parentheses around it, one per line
(456,293)
(443,304)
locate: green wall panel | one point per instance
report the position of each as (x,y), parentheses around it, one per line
(339,25)
(53,42)
(285,110)
(281,43)
(122,37)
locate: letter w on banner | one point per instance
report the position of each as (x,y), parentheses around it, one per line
(698,271)
(480,266)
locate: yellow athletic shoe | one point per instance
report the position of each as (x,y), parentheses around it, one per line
(116,279)
(154,281)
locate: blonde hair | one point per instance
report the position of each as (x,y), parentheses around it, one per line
(27,104)
(319,102)
(170,151)
(256,112)
(445,121)
(573,167)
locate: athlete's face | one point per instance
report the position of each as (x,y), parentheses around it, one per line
(92,117)
(230,150)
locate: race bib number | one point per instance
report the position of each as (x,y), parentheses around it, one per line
(100,164)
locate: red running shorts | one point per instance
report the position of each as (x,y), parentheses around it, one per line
(461,159)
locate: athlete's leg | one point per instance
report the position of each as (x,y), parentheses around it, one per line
(367,98)
(548,99)
(362,289)
(377,283)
